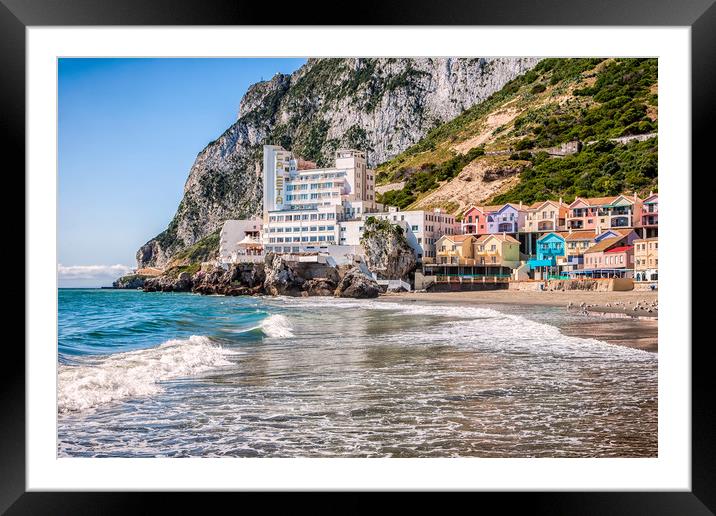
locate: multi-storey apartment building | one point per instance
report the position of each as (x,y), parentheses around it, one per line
(498,250)
(474,221)
(545,216)
(650,216)
(455,250)
(603,213)
(303,208)
(646,259)
(610,257)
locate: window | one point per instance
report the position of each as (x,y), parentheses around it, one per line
(414,228)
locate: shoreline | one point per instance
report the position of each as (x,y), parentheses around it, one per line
(617,323)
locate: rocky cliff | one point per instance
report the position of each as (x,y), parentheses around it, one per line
(387,252)
(276,276)
(381,106)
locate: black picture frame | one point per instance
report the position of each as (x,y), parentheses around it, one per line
(699,15)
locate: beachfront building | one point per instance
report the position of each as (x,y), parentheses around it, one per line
(474,221)
(611,257)
(650,216)
(576,244)
(498,250)
(602,213)
(549,247)
(239,239)
(303,208)
(646,259)
(545,216)
(455,250)
(422,228)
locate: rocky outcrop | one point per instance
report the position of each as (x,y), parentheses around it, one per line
(131,281)
(356,284)
(381,106)
(281,279)
(387,252)
(238,280)
(166,283)
(319,287)
(275,277)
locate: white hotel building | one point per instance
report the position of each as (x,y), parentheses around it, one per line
(302,208)
(324,209)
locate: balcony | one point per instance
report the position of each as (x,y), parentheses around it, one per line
(575,224)
(650,220)
(621,222)
(507,227)
(547,225)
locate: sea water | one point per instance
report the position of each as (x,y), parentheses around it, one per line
(181,375)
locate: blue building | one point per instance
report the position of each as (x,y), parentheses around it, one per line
(549,247)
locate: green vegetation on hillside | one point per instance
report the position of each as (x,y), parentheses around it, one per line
(379,228)
(428,177)
(601,169)
(619,103)
(204,250)
(558,101)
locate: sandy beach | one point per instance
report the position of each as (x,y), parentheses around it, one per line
(608,316)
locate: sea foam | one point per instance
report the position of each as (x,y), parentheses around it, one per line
(135,373)
(276,326)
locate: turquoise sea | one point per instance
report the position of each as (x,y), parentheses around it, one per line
(180,375)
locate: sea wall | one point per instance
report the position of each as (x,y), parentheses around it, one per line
(597,285)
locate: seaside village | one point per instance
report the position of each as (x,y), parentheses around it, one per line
(318,214)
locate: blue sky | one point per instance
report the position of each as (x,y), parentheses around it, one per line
(129,130)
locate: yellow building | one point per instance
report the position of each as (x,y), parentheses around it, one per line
(646,259)
(497,250)
(455,250)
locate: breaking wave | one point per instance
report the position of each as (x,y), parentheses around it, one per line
(135,373)
(276,326)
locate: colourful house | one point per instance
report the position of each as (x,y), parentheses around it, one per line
(575,245)
(506,218)
(499,250)
(650,216)
(545,216)
(611,257)
(603,213)
(455,250)
(646,259)
(474,221)
(549,248)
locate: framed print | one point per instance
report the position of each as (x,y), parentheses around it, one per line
(415,253)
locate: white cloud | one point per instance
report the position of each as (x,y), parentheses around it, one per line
(82,272)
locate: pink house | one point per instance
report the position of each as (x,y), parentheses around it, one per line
(474,221)
(602,213)
(611,257)
(650,216)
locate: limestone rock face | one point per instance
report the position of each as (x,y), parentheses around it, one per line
(357,285)
(238,280)
(131,281)
(281,280)
(182,283)
(319,287)
(387,252)
(380,106)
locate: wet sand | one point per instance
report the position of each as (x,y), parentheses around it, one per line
(617,323)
